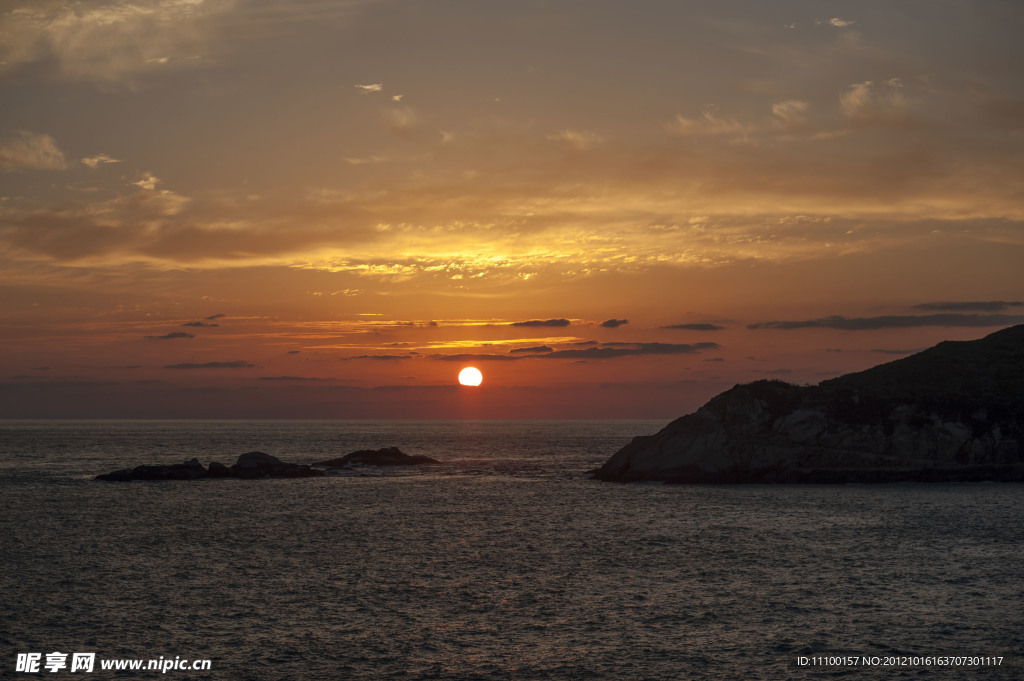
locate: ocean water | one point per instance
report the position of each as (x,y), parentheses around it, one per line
(503,562)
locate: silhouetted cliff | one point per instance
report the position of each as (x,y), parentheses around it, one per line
(954,412)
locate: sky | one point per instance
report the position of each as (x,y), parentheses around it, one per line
(326,209)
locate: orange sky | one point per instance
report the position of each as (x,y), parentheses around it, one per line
(259,208)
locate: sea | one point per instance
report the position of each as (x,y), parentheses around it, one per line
(504,561)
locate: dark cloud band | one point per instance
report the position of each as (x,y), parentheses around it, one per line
(893,322)
(542,322)
(237,364)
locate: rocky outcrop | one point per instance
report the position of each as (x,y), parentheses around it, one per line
(388,456)
(249,466)
(954,412)
(189,470)
(259,465)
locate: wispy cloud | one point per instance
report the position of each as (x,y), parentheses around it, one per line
(614,323)
(148,181)
(981,306)
(31,151)
(543,322)
(98,160)
(894,322)
(631,350)
(606,351)
(200,324)
(836,21)
(709,123)
(790,113)
(876,103)
(695,327)
(236,364)
(109,40)
(401,118)
(470,357)
(532,350)
(580,140)
(170,336)
(358,161)
(370,87)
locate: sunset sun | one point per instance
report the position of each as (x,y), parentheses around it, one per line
(470,376)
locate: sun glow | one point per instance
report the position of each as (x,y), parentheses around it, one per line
(470,376)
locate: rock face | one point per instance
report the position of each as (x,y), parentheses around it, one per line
(389,456)
(249,466)
(954,412)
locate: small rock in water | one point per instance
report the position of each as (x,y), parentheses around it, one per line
(249,466)
(388,456)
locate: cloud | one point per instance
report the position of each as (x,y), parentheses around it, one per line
(215,316)
(606,352)
(580,140)
(98,160)
(983,306)
(634,349)
(31,151)
(108,40)
(60,384)
(876,103)
(545,322)
(381,357)
(236,364)
(294,352)
(709,123)
(790,113)
(401,118)
(148,182)
(467,357)
(363,161)
(534,349)
(171,335)
(614,323)
(894,322)
(521,219)
(841,23)
(289,378)
(695,327)
(200,324)
(591,351)
(371,87)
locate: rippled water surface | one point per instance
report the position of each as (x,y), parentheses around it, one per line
(504,562)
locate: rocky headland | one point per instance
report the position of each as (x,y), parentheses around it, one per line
(951,413)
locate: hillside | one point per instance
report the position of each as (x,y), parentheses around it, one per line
(953,412)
